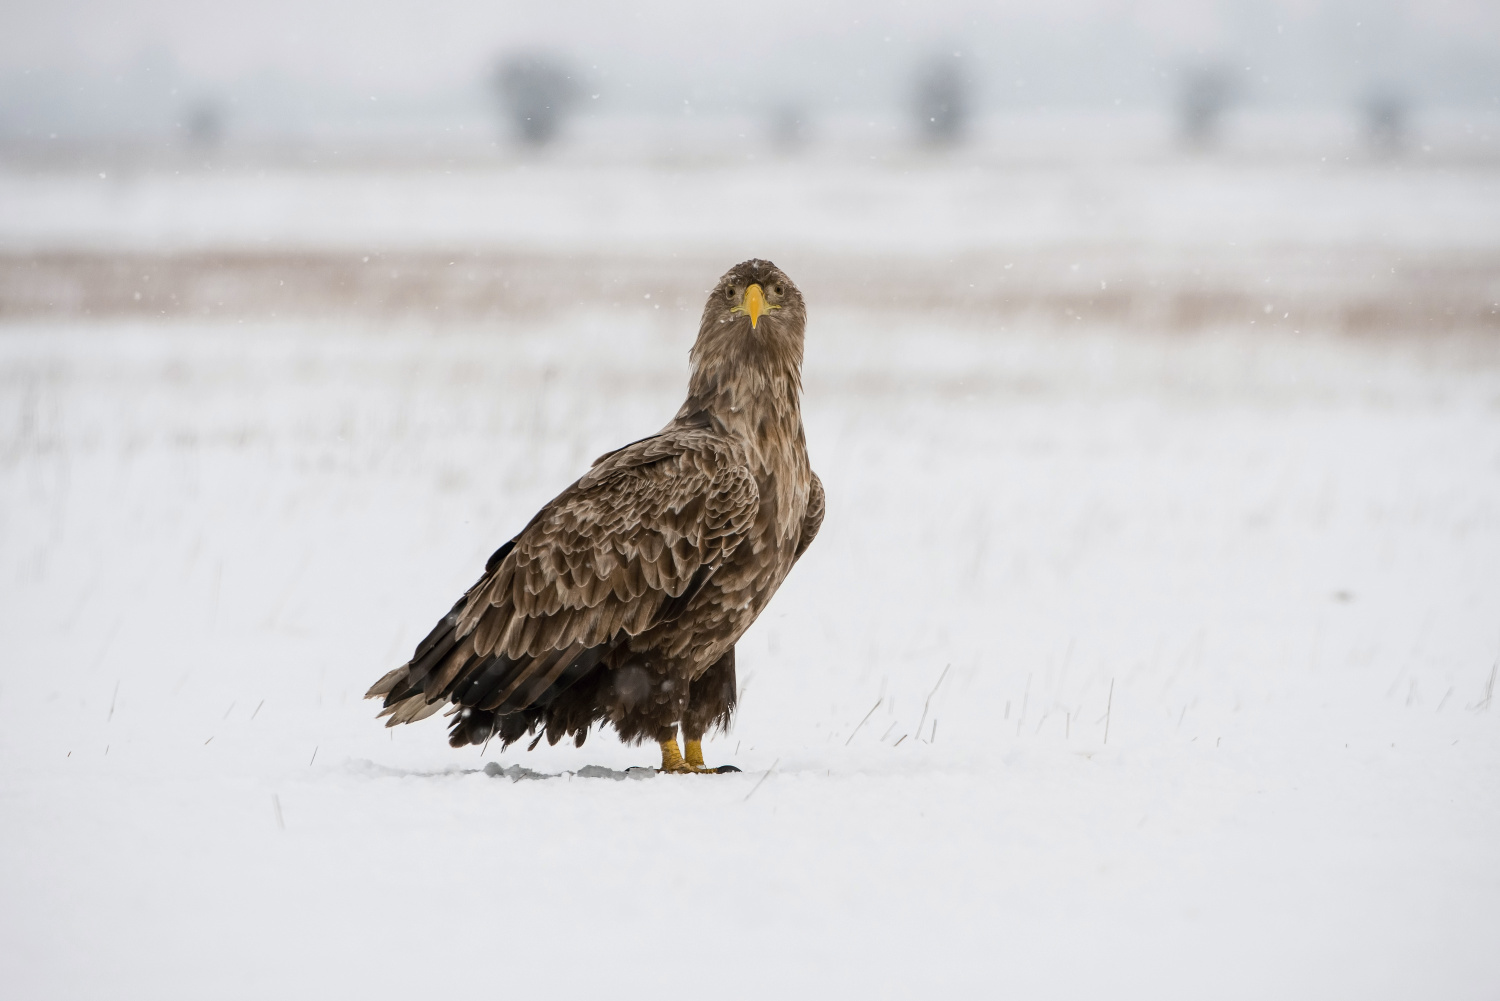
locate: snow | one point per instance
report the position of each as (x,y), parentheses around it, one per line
(1262,562)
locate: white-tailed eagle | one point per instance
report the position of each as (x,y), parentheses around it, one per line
(622,600)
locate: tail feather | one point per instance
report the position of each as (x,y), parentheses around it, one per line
(409,711)
(429,669)
(423,664)
(493,696)
(388,681)
(476,726)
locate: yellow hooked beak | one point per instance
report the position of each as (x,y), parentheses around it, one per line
(754,304)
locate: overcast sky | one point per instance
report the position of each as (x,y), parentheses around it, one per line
(737,55)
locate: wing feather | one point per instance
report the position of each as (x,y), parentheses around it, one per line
(813,520)
(443,677)
(626,547)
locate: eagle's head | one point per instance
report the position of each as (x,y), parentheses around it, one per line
(749,348)
(752,295)
(751,336)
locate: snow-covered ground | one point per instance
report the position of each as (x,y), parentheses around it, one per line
(1279,556)
(1128,664)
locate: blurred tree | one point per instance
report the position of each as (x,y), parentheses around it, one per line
(203,124)
(1385,114)
(537,91)
(788,127)
(942,100)
(1205,94)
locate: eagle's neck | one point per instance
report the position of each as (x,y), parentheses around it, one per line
(751,384)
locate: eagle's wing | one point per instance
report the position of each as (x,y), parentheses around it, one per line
(813,519)
(624,548)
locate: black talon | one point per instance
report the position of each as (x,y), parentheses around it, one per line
(725,769)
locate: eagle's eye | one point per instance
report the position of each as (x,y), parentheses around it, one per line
(729,293)
(777,289)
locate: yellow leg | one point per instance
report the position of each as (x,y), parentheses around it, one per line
(673,761)
(671,757)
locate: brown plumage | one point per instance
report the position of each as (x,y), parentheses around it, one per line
(623,598)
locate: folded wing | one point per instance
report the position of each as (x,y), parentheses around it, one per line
(621,550)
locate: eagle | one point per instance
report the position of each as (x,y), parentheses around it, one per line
(621,602)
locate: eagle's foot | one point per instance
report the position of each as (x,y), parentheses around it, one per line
(673,761)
